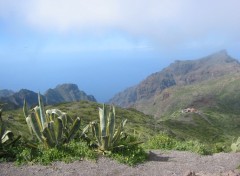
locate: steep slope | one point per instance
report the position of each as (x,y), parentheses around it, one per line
(178,74)
(66,93)
(196,99)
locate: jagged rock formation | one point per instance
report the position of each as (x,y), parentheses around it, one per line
(66,93)
(62,93)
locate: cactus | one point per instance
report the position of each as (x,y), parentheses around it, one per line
(52,128)
(236,146)
(107,136)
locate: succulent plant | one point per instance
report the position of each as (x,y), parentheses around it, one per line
(6,137)
(105,133)
(53,127)
(236,146)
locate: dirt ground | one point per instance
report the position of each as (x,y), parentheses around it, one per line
(172,163)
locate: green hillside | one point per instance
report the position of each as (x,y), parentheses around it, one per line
(217,104)
(207,126)
(138,124)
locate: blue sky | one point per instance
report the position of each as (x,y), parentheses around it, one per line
(106,46)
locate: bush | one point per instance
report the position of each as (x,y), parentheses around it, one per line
(69,152)
(131,155)
(165,142)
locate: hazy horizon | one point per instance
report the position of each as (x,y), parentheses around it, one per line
(107,46)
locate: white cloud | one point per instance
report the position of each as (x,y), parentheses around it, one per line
(170,23)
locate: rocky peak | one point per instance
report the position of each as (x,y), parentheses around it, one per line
(179,73)
(66,93)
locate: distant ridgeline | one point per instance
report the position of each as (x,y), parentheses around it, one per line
(212,82)
(62,93)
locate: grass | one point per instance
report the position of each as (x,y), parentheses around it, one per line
(138,124)
(164,142)
(75,150)
(131,155)
(205,133)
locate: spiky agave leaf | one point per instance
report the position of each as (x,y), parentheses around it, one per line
(35,125)
(75,127)
(48,138)
(8,135)
(103,120)
(118,133)
(52,114)
(41,109)
(2,129)
(96,132)
(38,117)
(111,124)
(25,109)
(58,126)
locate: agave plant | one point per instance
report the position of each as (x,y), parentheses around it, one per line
(236,146)
(105,133)
(53,127)
(6,137)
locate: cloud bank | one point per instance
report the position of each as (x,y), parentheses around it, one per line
(189,23)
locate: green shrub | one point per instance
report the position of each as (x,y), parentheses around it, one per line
(160,141)
(130,155)
(236,146)
(165,142)
(74,150)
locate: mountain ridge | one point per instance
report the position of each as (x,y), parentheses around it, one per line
(61,93)
(178,74)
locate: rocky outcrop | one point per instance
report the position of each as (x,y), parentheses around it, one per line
(66,93)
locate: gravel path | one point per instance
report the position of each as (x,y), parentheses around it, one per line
(172,163)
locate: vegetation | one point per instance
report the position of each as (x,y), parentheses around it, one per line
(7,140)
(52,128)
(74,150)
(130,155)
(181,133)
(165,142)
(54,136)
(106,135)
(236,146)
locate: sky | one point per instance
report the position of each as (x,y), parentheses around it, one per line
(105,46)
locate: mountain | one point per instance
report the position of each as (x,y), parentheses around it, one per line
(192,99)
(6,93)
(66,93)
(62,93)
(161,91)
(16,99)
